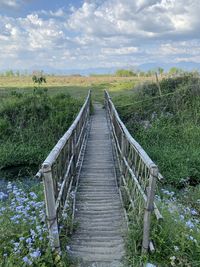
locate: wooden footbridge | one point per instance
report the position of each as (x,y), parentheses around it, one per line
(97,178)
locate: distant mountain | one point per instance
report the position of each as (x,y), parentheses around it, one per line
(83,72)
(188,66)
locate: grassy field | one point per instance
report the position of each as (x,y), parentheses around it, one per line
(166,126)
(75,86)
(27,112)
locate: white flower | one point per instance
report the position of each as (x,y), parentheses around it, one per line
(176,248)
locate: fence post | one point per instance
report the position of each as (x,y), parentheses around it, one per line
(149,208)
(50,207)
(74,141)
(123,150)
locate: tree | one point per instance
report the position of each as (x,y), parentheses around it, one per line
(9,73)
(125,73)
(39,78)
(175,71)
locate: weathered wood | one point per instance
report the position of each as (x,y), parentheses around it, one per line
(99,212)
(59,169)
(149,208)
(139,173)
(51,208)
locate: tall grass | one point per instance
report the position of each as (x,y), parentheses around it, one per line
(168,128)
(30,125)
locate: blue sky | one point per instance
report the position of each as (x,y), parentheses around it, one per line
(66,34)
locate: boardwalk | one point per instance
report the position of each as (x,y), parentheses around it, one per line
(98,240)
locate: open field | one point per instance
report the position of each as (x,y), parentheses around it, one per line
(75,86)
(166,126)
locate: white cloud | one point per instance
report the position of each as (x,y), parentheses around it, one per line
(120,51)
(9,3)
(103,33)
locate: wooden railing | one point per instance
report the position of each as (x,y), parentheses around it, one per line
(138,173)
(59,169)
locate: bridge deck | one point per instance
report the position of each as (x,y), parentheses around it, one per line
(98,239)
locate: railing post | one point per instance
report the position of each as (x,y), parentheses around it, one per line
(123,150)
(74,142)
(149,208)
(50,207)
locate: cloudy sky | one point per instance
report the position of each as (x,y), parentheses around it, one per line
(75,34)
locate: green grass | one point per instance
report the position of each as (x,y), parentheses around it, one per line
(32,120)
(24,234)
(168,128)
(31,124)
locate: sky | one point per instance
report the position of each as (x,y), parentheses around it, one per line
(75,34)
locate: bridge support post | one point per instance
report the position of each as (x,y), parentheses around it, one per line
(50,207)
(74,153)
(123,151)
(149,208)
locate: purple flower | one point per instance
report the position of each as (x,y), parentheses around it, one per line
(33,195)
(35,254)
(26,260)
(189,224)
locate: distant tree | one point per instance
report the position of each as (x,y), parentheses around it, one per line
(38,78)
(9,73)
(125,73)
(175,71)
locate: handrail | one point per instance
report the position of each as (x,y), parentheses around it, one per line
(58,147)
(59,171)
(139,173)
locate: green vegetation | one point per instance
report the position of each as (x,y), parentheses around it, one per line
(31,124)
(168,128)
(24,234)
(125,73)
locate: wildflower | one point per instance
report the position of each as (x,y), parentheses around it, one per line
(173,258)
(26,260)
(29,240)
(9,186)
(3,195)
(33,195)
(19,208)
(33,234)
(35,254)
(190,224)
(15,218)
(176,248)
(193,212)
